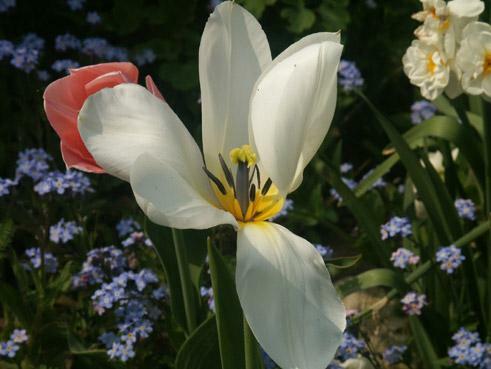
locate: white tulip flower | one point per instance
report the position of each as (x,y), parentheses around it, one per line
(474,59)
(263,121)
(426,67)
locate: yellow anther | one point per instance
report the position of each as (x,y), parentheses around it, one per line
(487,64)
(243,154)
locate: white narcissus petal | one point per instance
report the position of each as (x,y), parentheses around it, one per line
(292,107)
(119,124)
(233,52)
(466,8)
(287,296)
(169,199)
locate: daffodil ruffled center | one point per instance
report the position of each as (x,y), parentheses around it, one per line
(244,195)
(487,63)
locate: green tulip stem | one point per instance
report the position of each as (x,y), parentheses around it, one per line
(487,192)
(185,277)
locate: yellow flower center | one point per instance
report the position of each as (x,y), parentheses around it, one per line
(430,64)
(487,63)
(246,196)
(243,154)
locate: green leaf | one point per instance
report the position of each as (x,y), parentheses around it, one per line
(423,344)
(200,350)
(444,127)
(257,7)
(11,299)
(419,176)
(6,234)
(362,213)
(162,239)
(344,262)
(228,311)
(372,278)
(299,18)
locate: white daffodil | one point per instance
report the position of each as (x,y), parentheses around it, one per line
(442,30)
(263,121)
(426,67)
(474,59)
(443,23)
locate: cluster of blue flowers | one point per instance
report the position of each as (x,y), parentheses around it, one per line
(350,183)
(75,4)
(137,238)
(25,55)
(469,350)
(35,260)
(466,209)
(325,251)
(396,226)
(345,167)
(67,42)
(93,18)
(450,258)
(5,185)
(145,56)
(99,264)
(132,295)
(35,164)
(64,65)
(402,257)
(393,354)
(350,347)
(70,182)
(349,76)
(422,110)
(126,226)
(9,348)
(63,232)
(5,5)
(413,303)
(207,293)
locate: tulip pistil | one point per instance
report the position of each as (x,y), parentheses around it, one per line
(243,195)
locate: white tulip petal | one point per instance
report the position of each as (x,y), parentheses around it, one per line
(292,107)
(466,8)
(233,52)
(287,296)
(119,124)
(168,199)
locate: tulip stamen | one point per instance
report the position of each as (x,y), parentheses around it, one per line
(266,187)
(216,181)
(228,174)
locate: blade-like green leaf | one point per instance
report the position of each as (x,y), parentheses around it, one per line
(12,300)
(427,353)
(444,200)
(418,175)
(372,278)
(362,213)
(228,311)
(344,262)
(162,240)
(200,350)
(447,128)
